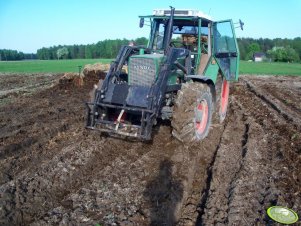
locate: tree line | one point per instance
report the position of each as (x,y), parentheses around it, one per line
(8,55)
(102,49)
(279,50)
(283,50)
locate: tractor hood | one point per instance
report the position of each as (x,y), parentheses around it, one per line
(144,69)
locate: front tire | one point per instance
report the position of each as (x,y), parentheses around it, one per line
(92,93)
(92,108)
(192,112)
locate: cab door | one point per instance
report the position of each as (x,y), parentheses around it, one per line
(225,49)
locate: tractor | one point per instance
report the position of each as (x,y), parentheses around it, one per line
(182,75)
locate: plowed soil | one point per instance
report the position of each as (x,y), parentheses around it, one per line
(55,172)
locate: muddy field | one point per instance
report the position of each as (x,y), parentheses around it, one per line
(55,172)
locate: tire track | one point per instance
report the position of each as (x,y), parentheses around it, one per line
(276,105)
(243,184)
(213,208)
(74,166)
(151,199)
(79,177)
(281,155)
(108,188)
(37,126)
(245,204)
(201,179)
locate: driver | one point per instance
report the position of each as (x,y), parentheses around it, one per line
(190,41)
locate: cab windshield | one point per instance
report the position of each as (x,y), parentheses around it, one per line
(185,33)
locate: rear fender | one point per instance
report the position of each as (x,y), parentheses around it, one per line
(206,80)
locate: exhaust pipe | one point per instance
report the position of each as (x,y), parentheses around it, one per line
(169,30)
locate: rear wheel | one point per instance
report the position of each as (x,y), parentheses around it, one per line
(224,100)
(222,88)
(192,112)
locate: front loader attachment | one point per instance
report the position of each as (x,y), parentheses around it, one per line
(129,107)
(120,108)
(128,104)
(123,111)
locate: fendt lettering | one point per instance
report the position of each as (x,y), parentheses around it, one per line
(141,67)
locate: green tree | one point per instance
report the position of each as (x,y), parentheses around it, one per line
(141,41)
(43,54)
(109,49)
(283,54)
(62,52)
(296,45)
(8,54)
(292,55)
(88,52)
(242,50)
(81,52)
(252,48)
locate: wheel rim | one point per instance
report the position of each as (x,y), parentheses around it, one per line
(224,97)
(201,117)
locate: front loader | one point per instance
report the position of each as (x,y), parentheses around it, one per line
(182,75)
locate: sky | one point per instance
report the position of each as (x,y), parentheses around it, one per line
(28,25)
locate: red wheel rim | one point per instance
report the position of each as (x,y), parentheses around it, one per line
(224,97)
(201,117)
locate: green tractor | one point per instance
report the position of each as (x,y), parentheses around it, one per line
(182,75)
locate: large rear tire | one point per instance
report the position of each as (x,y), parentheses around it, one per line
(192,112)
(222,89)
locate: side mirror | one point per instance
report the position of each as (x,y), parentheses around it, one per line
(141,23)
(241,24)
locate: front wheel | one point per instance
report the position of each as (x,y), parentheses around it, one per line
(92,93)
(92,106)
(192,112)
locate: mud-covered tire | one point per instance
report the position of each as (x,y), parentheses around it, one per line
(92,94)
(222,90)
(92,97)
(192,112)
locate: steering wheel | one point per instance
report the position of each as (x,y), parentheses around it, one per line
(177,44)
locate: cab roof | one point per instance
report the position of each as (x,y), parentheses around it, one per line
(179,14)
(182,12)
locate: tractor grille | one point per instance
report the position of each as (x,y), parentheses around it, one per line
(142,71)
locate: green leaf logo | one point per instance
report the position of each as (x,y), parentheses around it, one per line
(282,215)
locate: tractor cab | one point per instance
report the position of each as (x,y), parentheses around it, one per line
(190,31)
(194,30)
